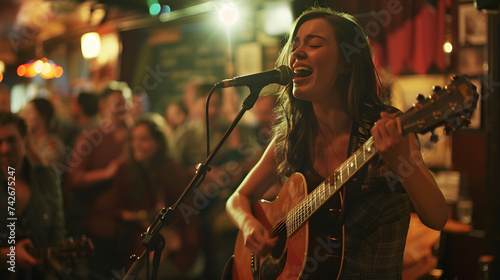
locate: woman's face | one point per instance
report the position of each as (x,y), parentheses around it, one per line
(315,61)
(32,118)
(144,146)
(115,106)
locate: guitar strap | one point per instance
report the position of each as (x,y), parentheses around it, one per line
(358,137)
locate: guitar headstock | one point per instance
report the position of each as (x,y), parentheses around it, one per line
(451,107)
(74,248)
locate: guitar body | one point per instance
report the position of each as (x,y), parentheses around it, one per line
(305,254)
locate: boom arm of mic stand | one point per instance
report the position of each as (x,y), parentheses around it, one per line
(166,216)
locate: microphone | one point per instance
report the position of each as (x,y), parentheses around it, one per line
(281,75)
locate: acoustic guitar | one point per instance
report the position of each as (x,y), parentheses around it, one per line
(68,250)
(302,253)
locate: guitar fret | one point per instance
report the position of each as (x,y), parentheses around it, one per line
(289,225)
(301,212)
(301,216)
(345,176)
(364,152)
(314,200)
(328,185)
(295,219)
(308,209)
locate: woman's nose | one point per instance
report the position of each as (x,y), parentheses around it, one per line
(299,53)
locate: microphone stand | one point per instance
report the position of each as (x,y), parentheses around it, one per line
(154,241)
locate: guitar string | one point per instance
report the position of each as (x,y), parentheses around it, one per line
(298,211)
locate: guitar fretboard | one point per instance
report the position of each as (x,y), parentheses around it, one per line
(41,253)
(70,249)
(323,192)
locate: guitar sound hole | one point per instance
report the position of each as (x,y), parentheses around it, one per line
(280,247)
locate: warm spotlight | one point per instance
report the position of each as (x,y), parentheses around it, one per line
(447,47)
(228,14)
(91,45)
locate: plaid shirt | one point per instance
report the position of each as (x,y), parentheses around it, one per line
(376,219)
(376,226)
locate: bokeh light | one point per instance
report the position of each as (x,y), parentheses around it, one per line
(447,47)
(38,66)
(44,67)
(278,18)
(154,9)
(228,14)
(165,13)
(21,70)
(91,45)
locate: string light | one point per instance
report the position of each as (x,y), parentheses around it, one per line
(44,67)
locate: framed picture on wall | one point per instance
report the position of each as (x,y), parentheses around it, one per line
(472,26)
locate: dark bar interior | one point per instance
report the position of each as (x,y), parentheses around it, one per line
(103,123)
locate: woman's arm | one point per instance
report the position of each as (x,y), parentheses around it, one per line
(239,205)
(402,154)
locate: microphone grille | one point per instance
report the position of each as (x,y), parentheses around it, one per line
(286,75)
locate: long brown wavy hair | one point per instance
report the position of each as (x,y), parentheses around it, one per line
(297,125)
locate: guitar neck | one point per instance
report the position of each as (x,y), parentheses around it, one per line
(70,249)
(41,253)
(322,193)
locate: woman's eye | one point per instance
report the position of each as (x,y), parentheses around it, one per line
(315,44)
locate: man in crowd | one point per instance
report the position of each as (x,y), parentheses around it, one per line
(30,203)
(95,159)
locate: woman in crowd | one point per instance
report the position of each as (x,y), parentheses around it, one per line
(42,128)
(148,181)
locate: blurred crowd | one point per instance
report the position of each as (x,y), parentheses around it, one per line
(116,164)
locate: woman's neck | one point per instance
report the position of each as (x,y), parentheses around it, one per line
(332,122)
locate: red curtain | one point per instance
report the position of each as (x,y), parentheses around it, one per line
(413,37)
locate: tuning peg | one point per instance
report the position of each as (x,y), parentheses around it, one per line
(434,138)
(448,130)
(420,97)
(465,120)
(454,77)
(436,88)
